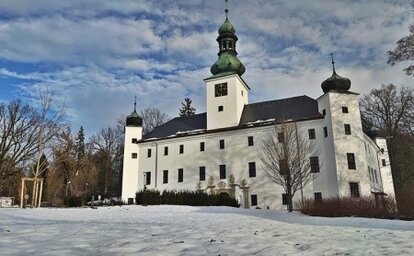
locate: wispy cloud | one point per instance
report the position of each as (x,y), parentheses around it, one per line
(96,55)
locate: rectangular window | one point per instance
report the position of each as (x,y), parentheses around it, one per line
(252,169)
(250,141)
(351,161)
(347,128)
(325,131)
(147,178)
(281,137)
(149,153)
(312,134)
(253,200)
(285,200)
(369,172)
(222,171)
(180,175)
(165,151)
(165,176)
(202,173)
(324,112)
(220,89)
(221,144)
(354,187)
(384,163)
(220,108)
(375,175)
(314,164)
(318,196)
(134,140)
(134,155)
(201,146)
(181,150)
(345,110)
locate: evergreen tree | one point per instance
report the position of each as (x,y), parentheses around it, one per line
(186,108)
(80,144)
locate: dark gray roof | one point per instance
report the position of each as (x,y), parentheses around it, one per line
(179,124)
(296,109)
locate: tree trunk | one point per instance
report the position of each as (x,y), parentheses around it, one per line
(289,192)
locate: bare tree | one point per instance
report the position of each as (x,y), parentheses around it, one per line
(26,131)
(389,109)
(70,174)
(151,118)
(107,146)
(404,51)
(392,112)
(285,156)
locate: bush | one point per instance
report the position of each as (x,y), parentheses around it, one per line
(384,208)
(405,202)
(192,198)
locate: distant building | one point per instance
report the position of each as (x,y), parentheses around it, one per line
(218,151)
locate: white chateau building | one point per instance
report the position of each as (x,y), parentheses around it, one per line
(218,151)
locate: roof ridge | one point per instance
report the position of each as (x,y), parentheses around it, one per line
(270,101)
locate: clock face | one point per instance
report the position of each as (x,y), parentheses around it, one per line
(221,89)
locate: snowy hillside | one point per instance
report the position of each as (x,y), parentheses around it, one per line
(183,230)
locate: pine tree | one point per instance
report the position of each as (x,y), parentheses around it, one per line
(186,108)
(80,144)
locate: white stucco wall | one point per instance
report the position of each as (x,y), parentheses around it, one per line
(385,171)
(233,103)
(236,155)
(343,143)
(130,166)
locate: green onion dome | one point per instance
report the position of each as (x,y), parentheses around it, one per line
(227,62)
(336,83)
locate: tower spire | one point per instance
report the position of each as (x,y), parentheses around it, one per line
(333,62)
(226,10)
(135,104)
(227,63)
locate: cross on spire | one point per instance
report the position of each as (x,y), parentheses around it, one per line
(333,62)
(226,10)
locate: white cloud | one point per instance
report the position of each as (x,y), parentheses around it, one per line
(96,55)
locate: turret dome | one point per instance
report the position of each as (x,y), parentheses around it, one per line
(134,119)
(336,83)
(227,63)
(226,27)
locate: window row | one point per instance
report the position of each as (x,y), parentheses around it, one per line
(312,132)
(202,173)
(250,142)
(373,175)
(285,201)
(344,110)
(353,187)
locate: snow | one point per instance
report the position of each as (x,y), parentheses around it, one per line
(260,122)
(185,230)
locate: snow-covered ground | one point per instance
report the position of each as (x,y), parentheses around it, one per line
(184,230)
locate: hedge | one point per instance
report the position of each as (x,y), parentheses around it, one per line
(192,198)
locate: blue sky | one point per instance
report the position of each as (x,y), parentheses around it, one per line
(97,55)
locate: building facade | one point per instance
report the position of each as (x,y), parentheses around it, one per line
(219,151)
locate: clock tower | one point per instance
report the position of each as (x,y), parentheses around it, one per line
(227,93)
